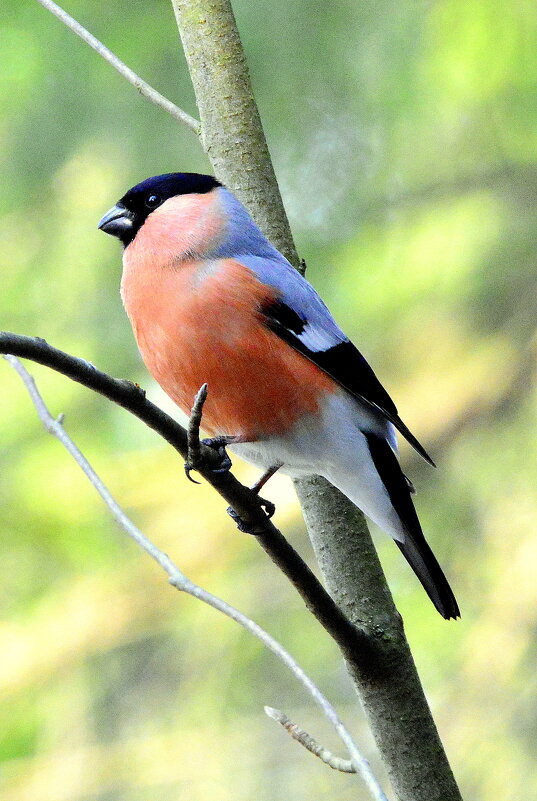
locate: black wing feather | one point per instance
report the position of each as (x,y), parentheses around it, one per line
(342,362)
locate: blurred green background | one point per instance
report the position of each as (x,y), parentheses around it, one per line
(404,136)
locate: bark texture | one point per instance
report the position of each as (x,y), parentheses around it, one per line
(231,130)
(384,673)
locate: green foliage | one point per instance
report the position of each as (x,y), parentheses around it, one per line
(404,137)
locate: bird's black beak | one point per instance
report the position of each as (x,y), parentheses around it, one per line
(118,221)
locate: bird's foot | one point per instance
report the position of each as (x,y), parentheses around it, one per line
(218,444)
(267,506)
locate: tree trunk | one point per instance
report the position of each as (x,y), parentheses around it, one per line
(388,684)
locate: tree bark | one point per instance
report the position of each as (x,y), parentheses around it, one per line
(231,130)
(387,683)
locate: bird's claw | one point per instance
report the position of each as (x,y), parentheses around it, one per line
(188,470)
(268,507)
(241,525)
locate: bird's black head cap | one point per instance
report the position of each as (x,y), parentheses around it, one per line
(130,213)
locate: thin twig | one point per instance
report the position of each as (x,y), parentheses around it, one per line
(178,579)
(309,743)
(246,503)
(144,88)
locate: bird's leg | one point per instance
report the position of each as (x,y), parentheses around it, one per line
(268,506)
(265,477)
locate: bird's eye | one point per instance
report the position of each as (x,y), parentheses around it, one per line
(152,201)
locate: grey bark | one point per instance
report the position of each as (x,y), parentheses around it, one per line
(384,674)
(385,678)
(231,130)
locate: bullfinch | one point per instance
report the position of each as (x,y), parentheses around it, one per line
(211,300)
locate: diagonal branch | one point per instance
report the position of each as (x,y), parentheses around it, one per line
(144,88)
(243,500)
(181,582)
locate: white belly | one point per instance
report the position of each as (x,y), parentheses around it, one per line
(333,445)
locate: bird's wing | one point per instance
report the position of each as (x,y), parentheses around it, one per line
(299,316)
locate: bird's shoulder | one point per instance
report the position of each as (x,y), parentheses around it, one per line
(299,316)
(297,313)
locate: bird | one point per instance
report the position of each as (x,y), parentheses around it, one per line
(211,300)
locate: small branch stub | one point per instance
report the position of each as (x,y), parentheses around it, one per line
(194,458)
(309,743)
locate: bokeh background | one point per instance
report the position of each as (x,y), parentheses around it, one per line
(404,136)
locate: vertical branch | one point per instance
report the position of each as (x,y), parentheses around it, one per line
(231,129)
(389,685)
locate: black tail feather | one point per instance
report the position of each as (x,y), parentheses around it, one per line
(424,564)
(414,548)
